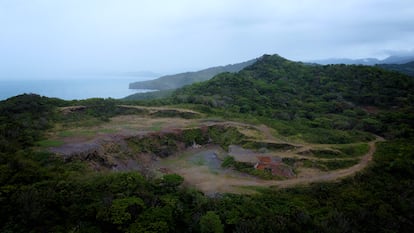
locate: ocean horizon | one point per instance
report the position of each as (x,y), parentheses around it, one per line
(72,88)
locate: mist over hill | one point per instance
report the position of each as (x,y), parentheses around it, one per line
(407,68)
(395,59)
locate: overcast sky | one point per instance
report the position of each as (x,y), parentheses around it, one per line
(167,36)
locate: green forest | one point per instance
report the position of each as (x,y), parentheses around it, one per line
(407,68)
(334,104)
(170,82)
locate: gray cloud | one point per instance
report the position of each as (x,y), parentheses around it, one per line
(48,36)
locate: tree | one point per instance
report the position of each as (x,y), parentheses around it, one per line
(123,210)
(211,223)
(171,181)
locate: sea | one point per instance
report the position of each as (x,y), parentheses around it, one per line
(70,88)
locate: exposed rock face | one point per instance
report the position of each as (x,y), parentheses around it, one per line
(125,152)
(72,109)
(139,151)
(275,166)
(77,150)
(103,152)
(283,170)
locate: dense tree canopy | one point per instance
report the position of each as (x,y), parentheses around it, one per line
(345,98)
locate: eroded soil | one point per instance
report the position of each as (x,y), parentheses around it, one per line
(104,147)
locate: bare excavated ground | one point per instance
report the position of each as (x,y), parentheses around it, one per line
(200,167)
(201,176)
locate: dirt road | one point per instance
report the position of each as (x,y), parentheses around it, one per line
(337,174)
(210,183)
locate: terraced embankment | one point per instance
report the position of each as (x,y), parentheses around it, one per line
(171,140)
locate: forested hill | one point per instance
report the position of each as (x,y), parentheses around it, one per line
(274,83)
(407,68)
(322,96)
(178,80)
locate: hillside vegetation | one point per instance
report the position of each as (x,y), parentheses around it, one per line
(324,104)
(164,84)
(407,68)
(341,106)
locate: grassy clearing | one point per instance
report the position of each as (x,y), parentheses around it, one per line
(340,151)
(106,131)
(252,133)
(156,126)
(354,150)
(339,164)
(329,165)
(326,153)
(84,122)
(49,143)
(67,133)
(84,132)
(253,189)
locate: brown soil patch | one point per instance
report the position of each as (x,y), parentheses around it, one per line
(200,170)
(156,109)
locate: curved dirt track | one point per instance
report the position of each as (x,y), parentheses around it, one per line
(210,183)
(327,176)
(337,174)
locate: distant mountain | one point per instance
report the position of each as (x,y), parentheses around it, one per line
(366,61)
(397,59)
(150,95)
(347,61)
(178,80)
(407,68)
